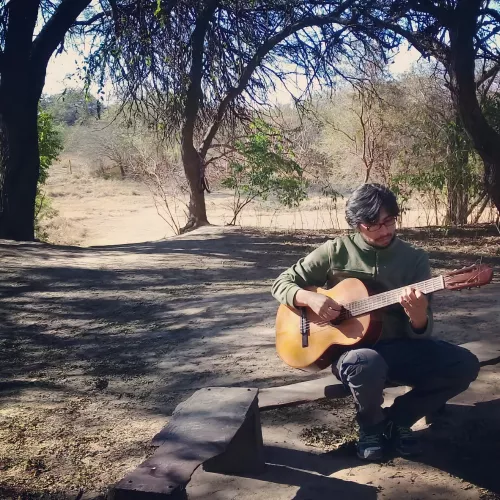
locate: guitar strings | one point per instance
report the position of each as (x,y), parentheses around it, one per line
(368,304)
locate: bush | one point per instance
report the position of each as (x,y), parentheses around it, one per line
(264,166)
(50,144)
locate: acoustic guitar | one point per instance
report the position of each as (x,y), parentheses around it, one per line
(307,342)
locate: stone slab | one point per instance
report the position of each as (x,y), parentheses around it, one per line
(201,428)
(488,353)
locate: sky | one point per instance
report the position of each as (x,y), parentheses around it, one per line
(62,65)
(59,67)
(403,62)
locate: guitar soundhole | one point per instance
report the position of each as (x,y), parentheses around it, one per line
(344,315)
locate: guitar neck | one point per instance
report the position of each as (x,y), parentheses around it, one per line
(364,306)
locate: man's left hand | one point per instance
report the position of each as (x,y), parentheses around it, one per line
(415,304)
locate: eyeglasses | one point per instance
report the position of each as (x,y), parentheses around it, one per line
(389,222)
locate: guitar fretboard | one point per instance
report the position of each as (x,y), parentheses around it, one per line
(364,306)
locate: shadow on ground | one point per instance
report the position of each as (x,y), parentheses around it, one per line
(466,445)
(170,310)
(112,336)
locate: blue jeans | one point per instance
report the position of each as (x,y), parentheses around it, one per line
(436,370)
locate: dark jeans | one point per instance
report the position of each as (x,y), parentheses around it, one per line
(436,370)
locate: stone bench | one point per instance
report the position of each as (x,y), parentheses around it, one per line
(219,428)
(329,387)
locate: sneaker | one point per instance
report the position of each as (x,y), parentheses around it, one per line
(403,439)
(370,446)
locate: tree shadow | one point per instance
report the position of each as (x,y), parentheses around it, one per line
(70,319)
(284,466)
(100,315)
(466,444)
(106,295)
(13,493)
(114,320)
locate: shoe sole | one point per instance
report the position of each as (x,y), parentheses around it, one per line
(370,459)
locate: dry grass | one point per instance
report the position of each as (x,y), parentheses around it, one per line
(93,210)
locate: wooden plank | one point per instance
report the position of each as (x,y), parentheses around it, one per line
(488,352)
(202,427)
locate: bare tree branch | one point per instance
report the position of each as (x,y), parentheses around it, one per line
(55,29)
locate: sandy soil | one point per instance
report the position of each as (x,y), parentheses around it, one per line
(96,211)
(98,345)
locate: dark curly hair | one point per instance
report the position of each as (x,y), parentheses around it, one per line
(365,203)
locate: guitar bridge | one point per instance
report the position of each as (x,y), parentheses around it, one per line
(304,327)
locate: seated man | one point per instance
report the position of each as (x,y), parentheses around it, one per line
(404,354)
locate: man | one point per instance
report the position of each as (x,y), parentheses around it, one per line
(405,354)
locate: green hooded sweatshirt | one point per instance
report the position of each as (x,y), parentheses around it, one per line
(397,265)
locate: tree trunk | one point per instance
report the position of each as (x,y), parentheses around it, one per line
(458,201)
(19,157)
(482,208)
(20,166)
(458,178)
(461,66)
(197,215)
(436,213)
(22,77)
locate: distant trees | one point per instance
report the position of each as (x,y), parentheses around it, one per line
(462,35)
(72,107)
(439,160)
(406,134)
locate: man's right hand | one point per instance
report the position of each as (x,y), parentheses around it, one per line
(325,307)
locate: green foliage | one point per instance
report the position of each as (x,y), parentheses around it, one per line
(491,110)
(265,166)
(444,168)
(72,107)
(50,144)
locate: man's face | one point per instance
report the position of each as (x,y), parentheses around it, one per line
(379,234)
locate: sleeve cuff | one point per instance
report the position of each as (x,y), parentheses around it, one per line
(290,295)
(422,332)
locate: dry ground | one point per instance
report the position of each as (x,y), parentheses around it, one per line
(98,345)
(95,211)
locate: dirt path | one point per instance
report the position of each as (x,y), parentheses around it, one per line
(94,211)
(98,345)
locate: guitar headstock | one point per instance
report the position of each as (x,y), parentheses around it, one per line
(468,277)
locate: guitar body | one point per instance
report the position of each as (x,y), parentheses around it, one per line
(326,341)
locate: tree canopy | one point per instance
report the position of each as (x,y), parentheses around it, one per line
(72,107)
(195,69)
(193,83)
